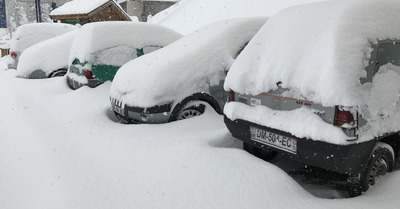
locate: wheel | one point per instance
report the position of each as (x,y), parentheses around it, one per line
(265,154)
(191,110)
(380,163)
(58,73)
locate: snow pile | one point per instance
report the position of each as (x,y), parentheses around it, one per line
(302,122)
(79,7)
(85,160)
(185,67)
(53,55)
(320,50)
(29,34)
(188,15)
(382,103)
(93,37)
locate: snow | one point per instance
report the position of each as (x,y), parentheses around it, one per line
(93,37)
(187,16)
(302,122)
(61,149)
(382,103)
(29,34)
(324,63)
(53,55)
(199,59)
(79,7)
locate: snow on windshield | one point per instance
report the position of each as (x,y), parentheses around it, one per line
(94,37)
(188,15)
(186,66)
(29,34)
(320,50)
(53,55)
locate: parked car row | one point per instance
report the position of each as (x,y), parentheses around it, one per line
(327,97)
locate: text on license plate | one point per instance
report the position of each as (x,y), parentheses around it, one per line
(274,140)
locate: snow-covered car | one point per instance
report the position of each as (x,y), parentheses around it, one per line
(179,81)
(327,97)
(30,34)
(53,59)
(100,49)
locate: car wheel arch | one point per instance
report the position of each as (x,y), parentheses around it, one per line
(202,97)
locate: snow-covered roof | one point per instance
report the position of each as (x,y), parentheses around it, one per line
(78,7)
(319,50)
(184,67)
(96,36)
(187,16)
(53,55)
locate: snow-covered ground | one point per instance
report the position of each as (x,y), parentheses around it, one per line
(61,148)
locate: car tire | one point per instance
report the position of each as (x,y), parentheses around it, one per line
(265,154)
(380,162)
(191,110)
(58,73)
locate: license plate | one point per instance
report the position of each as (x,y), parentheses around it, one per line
(274,140)
(118,110)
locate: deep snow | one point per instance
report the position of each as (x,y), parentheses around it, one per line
(61,149)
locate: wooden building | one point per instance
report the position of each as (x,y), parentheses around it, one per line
(84,11)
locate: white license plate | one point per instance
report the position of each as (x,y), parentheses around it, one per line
(118,110)
(274,140)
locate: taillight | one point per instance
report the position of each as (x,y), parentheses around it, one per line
(231,96)
(14,55)
(88,74)
(343,117)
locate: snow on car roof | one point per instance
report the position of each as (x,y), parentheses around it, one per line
(93,37)
(184,67)
(29,34)
(78,7)
(188,15)
(53,55)
(319,50)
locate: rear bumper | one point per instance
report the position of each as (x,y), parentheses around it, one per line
(350,158)
(73,84)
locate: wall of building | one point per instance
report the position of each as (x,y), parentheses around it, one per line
(133,8)
(154,7)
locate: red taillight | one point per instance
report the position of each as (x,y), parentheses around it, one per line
(231,96)
(343,116)
(14,55)
(88,74)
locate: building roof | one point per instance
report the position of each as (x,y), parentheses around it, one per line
(77,7)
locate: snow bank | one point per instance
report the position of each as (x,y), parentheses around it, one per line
(185,67)
(187,16)
(84,160)
(93,37)
(53,55)
(29,34)
(319,49)
(302,122)
(78,7)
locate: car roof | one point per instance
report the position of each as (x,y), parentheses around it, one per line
(93,37)
(319,50)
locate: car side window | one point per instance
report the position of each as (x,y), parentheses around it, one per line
(387,53)
(115,56)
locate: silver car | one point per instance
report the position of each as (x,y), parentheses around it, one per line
(182,79)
